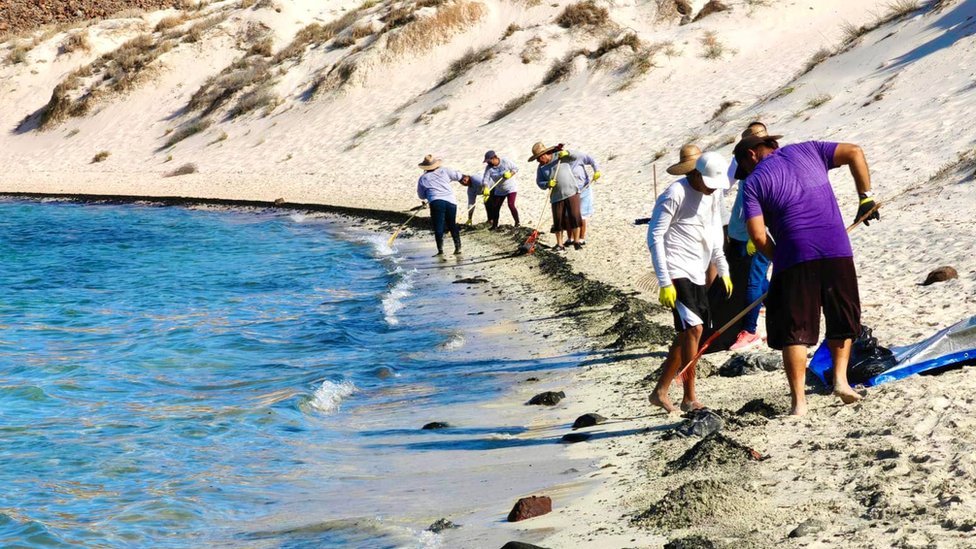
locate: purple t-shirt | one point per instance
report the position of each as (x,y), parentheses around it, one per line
(792,192)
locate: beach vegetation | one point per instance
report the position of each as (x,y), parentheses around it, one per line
(585,14)
(782,92)
(170,22)
(659,154)
(263,47)
(712,48)
(609,44)
(533,50)
(465,63)
(187,130)
(246,4)
(818,57)
(818,100)
(101,156)
(218,90)
(510,30)
(723,107)
(267,5)
(185,169)
(262,97)
(428,32)
(72,133)
(18,53)
(76,41)
(197,31)
(512,106)
(221,137)
(429,115)
(398,17)
(561,69)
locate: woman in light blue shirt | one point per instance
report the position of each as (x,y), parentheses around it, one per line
(434,189)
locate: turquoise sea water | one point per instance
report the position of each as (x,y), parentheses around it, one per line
(177,377)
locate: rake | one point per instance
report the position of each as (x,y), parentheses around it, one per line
(528,247)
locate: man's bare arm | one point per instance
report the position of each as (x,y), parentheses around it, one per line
(756,227)
(850,155)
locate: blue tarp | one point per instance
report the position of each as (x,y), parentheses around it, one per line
(952,345)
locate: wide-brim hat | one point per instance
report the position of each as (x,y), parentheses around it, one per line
(714,170)
(687,157)
(430,163)
(747,143)
(539,149)
(759,132)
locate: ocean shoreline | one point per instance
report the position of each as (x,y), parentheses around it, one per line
(546,270)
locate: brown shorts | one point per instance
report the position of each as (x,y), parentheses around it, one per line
(797,295)
(566,214)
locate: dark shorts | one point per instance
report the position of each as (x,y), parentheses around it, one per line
(692,307)
(566,214)
(797,295)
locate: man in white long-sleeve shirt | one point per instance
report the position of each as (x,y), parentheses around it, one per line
(684,236)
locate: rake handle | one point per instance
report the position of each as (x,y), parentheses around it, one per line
(753,305)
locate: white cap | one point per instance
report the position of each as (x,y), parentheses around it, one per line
(713,167)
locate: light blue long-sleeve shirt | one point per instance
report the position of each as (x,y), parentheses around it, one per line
(436,185)
(475,189)
(567,183)
(736,222)
(494,173)
(579,168)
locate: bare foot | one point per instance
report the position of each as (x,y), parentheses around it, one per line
(662,402)
(688,406)
(799,409)
(846,394)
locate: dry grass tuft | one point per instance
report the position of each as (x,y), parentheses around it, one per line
(711,47)
(583,14)
(428,32)
(512,106)
(629,40)
(510,30)
(533,51)
(199,29)
(187,130)
(722,107)
(101,157)
(171,22)
(819,57)
(561,69)
(641,63)
(398,17)
(465,63)
(712,6)
(263,48)
(18,53)
(185,169)
(219,89)
(74,42)
(818,100)
(262,97)
(429,115)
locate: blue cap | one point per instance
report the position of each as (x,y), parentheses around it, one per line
(489,155)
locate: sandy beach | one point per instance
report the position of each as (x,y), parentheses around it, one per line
(347,111)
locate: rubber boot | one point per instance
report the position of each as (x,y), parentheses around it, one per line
(440,246)
(457,246)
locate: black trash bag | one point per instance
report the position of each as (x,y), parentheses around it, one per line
(868,359)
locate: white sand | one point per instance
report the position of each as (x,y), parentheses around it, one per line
(905,92)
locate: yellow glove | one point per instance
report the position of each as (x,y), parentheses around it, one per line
(728,285)
(486,191)
(552,183)
(508,175)
(563,154)
(468,223)
(751,248)
(668,297)
(596,176)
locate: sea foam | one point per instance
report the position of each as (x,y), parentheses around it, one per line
(330,394)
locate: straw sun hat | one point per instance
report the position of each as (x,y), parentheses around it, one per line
(539,149)
(687,157)
(430,163)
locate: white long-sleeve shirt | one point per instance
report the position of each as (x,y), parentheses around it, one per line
(685,234)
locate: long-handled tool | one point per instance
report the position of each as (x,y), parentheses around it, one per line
(396,233)
(528,246)
(701,351)
(486,195)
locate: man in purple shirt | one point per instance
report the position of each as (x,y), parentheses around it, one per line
(788,191)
